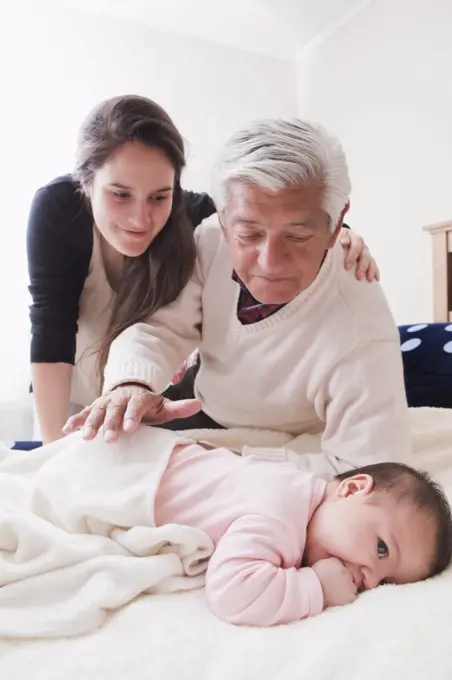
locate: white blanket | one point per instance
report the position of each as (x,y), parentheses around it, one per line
(78,538)
(397,632)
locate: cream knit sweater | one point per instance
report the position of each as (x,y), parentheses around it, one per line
(328,361)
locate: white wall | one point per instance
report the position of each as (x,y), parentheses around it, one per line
(383,84)
(54,66)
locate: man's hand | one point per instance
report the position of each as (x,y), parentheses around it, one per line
(358,255)
(337,582)
(124,408)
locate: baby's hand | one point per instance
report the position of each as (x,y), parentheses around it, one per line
(337,582)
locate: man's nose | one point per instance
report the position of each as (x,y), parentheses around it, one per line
(271,256)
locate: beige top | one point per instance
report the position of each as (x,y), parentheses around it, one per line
(327,361)
(94,315)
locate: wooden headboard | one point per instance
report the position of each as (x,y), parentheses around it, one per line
(441,234)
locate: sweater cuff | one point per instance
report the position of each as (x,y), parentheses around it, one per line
(316,592)
(147,374)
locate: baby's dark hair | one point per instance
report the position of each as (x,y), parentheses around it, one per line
(417,488)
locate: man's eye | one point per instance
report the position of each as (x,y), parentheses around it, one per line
(300,239)
(249,237)
(382,549)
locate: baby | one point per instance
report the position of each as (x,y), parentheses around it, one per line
(288,544)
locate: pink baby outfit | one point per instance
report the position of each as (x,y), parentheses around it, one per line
(256,512)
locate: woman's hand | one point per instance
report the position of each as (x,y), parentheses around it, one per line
(124,408)
(358,253)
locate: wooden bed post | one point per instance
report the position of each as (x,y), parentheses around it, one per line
(441,234)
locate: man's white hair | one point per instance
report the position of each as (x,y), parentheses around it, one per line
(278,154)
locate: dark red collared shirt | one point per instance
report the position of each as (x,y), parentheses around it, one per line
(249,310)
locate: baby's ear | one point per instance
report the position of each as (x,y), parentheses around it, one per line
(359,483)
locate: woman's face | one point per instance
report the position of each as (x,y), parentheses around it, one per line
(132,196)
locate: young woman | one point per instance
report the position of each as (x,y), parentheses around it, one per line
(108,246)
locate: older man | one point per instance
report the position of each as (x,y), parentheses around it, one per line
(288,339)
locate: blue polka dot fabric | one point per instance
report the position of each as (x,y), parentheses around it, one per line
(427,363)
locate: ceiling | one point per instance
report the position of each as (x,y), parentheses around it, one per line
(278,28)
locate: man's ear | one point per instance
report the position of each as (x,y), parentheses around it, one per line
(340,222)
(360,483)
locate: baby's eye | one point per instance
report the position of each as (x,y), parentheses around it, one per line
(382,549)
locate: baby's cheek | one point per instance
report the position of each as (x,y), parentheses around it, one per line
(342,547)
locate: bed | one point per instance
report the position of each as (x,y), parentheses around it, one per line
(398,632)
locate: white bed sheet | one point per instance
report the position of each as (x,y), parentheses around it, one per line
(400,633)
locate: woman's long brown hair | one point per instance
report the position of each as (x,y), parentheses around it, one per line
(155,278)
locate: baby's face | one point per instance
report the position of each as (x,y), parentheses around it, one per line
(378,539)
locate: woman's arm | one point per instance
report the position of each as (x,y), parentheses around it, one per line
(357,255)
(52,388)
(198,207)
(59,246)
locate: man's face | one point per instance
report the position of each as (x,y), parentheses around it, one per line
(277,240)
